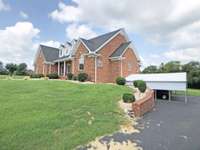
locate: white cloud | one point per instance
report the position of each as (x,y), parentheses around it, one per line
(59,14)
(184,55)
(174,24)
(3,6)
(16,43)
(51,43)
(23,15)
(75,31)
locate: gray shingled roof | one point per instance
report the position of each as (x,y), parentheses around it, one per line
(119,51)
(96,42)
(50,53)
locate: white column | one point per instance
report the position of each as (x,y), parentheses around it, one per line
(64,68)
(58,68)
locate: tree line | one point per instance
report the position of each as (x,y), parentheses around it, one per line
(14,69)
(192,68)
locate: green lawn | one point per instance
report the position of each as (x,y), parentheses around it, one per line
(190,92)
(55,115)
(13,77)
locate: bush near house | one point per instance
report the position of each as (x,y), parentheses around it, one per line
(135,83)
(121,81)
(141,85)
(70,76)
(74,78)
(53,76)
(36,75)
(82,77)
(128,98)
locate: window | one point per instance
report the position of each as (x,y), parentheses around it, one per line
(99,62)
(81,63)
(129,66)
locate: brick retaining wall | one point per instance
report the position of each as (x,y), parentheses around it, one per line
(140,107)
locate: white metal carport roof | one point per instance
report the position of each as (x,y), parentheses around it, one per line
(162,81)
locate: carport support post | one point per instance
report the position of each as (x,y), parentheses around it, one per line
(155,95)
(186,96)
(169,95)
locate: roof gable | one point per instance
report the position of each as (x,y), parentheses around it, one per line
(50,53)
(94,43)
(120,50)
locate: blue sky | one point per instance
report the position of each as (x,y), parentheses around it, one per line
(160,31)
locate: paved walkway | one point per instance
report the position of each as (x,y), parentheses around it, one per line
(170,126)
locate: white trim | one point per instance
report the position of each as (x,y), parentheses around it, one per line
(95,69)
(86,46)
(50,68)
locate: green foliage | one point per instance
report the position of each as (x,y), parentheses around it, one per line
(70,76)
(82,77)
(121,81)
(128,98)
(11,68)
(36,75)
(75,78)
(53,76)
(21,69)
(172,66)
(141,85)
(55,114)
(135,83)
(151,69)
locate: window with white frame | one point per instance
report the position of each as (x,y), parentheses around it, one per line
(99,62)
(129,66)
(81,63)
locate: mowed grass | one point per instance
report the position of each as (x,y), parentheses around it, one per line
(12,77)
(190,92)
(56,115)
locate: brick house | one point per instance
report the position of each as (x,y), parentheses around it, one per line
(103,58)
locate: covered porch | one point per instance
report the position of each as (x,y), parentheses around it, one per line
(64,67)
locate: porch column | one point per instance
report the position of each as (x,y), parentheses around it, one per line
(58,68)
(49,68)
(121,68)
(64,68)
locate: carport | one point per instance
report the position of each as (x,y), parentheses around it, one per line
(162,81)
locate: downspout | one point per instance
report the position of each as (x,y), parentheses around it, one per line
(95,69)
(121,67)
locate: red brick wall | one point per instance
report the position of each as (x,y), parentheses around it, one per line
(89,65)
(107,73)
(129,63)
(142,106)
(40,63)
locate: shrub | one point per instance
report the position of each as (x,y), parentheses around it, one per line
(36,75)
(82,77)
(70,76)
(121,81)
(128,98)
(53,76)
(141,85)
(74,78)
(135,83)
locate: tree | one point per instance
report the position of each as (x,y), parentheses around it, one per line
(3,71)
(150,69)
(172,66)
(21,69)
(193,65)
(11,68)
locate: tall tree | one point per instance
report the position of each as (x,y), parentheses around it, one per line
(21,69)
(11,68)
(150,69)
(172,66)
